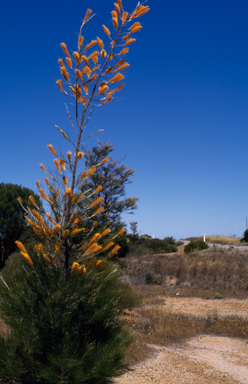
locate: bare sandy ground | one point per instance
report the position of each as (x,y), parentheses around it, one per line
(204,359)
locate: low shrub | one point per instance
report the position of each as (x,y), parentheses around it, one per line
(199,245)
(161,246)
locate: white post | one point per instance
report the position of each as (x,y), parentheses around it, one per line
(204,238)
(153,236)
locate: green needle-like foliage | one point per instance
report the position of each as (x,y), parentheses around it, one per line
(62,330)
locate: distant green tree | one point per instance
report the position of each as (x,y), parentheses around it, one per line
(245,236)
(133,228)
(111,178)
(12,217)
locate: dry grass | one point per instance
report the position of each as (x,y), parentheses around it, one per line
(157,327)
(208,274)
(205,273)
(218,239)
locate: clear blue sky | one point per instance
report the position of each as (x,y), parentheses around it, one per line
(181,120)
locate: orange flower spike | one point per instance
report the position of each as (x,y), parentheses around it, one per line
(124,17)
(79,74)
(38,216)
(105,160)
(143,11)
(30,222)
(48,230)
(95,59)
(103,53)
(121,231)
(126,65)
(107,100)
(20,246)
(115,19)
(68,192)
(27,257)
(95,237)
(47,258)
(118,88)
(120,4)
(80,155)
(65,233)
(95,53)
(120,62)
(105,232)
(99,262)
(100,43)
(47,181)
(92,78)
(91,171)
(37,249)
(136,24)
(103,89)
(97,201)
(52,150)
(32,199)
(19,200)
(57,246)
(109,245)
(57,192)
(95,223)
(85,59)
(69,61)
(60,84)
(76,231)
(87,15)
(118,10)
(106,30)
(94,249)
(43,167)
(65,50)
(50,218)
(37,183)
(80,41)
(62,163)
(77,57)
(98,189)
(114,250)
(99,210)
(84,174)
(65,181)
(86,89)
(74,268)
(82,269)
(61,63)
(69,156)
(130,41)
(64,73)
(90,45)
(56,162)
(136,29)
(116,78)
(55,229)
(123,51)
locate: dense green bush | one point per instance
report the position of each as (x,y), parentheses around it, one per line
(245,238)
(199,245)
(161,246)
(62,330)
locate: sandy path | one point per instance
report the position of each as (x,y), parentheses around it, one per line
(202,360)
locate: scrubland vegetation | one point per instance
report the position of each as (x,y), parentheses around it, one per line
(211,274)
